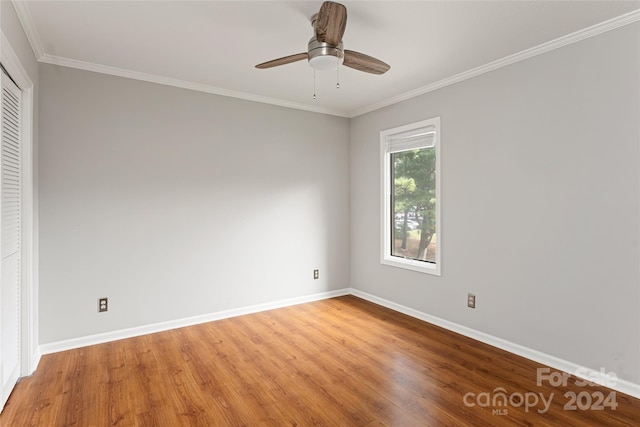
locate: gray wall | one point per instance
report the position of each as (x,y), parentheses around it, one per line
(174,203)
(540,180)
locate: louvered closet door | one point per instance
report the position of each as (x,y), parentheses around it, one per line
(10,236)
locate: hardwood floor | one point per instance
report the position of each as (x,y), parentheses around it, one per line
(336,362)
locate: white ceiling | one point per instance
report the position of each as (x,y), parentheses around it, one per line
(214,45)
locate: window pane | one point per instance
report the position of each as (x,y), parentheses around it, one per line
(413,204)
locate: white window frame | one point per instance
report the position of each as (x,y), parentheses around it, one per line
(385,201)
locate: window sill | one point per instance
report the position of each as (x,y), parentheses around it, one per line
(410,264)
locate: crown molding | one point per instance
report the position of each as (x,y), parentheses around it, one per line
(36,44)
(24,15)
(575,37)
(167,81)
(29,27)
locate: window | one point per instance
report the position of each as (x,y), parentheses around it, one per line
(410,163)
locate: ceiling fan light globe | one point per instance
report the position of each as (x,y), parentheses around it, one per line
(321,63)
(323,56)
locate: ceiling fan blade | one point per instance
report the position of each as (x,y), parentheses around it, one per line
(361,62)
(284,60)
(331,23)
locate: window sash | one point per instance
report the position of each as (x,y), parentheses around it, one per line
(424,134)
(393,212)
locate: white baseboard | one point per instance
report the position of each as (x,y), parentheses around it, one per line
(70,344)
(35,361)
(621,385)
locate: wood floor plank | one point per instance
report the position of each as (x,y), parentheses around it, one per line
(342,361)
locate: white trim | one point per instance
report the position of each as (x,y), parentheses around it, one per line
(29,27)
(29,350)
(638,313)
(180,323)
(621,385)
(29,310)
(167,81)
(35,360)
(568,39)
(26,19)
(385,201)
(36,44)
(12,64)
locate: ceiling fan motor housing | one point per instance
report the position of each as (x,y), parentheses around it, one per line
(323,56)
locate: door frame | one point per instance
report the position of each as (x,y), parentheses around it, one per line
(29,346)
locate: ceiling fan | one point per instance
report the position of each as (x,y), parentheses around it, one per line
(325,49)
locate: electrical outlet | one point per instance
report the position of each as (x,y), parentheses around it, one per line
(103,305)
(316,274)
(471,301)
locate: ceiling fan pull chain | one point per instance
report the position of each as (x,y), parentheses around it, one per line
(314,83)
(338,75)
